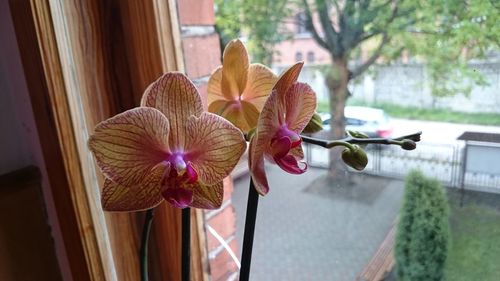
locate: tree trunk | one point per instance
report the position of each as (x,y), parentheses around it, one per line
(336,80)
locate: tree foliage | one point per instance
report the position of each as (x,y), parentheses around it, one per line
(423,230)
(443,34)
(261,21)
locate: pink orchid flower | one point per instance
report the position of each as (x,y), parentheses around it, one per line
(167,149)
(238,90)
(285,114)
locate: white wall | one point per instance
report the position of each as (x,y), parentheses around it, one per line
(407,85)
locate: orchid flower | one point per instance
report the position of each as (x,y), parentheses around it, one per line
(238,90)
(285,114)
(167,149)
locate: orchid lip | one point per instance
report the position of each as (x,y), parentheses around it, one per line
(178,197)
(281,144)
(295,138)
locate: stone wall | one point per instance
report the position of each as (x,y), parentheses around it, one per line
(407,85)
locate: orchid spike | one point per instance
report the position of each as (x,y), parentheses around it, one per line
(285,114)
(238,90)
(167,149)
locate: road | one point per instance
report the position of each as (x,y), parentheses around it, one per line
(438,132)
(312,229)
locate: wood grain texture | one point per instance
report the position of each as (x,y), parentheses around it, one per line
(84,62)
(33,25)
(200,265)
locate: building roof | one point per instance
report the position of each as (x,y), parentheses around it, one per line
(479,136)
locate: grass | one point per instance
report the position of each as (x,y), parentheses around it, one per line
(429,114)
(475,246)
(323,107)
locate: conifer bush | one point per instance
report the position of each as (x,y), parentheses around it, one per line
(423,232)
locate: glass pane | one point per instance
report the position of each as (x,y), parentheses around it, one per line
(438,76)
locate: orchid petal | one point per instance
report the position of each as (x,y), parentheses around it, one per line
(128,145)
(207,196)
(215,147)
(235,65)
(235,114)
(271,116)
(177,97)
(120,198)
(219,107)
(300,103)
(257,170)
(214,89)
(289,164)
(267,126)
(242,114)
(286,80)
(251,115)
(260,83)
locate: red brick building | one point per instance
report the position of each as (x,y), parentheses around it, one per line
(202,55)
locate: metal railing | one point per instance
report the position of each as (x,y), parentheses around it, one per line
(440,161)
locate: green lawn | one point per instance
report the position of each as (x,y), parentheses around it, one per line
(475,245)
(429,114)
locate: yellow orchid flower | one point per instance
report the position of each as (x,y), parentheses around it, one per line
(237,90)
(167,149)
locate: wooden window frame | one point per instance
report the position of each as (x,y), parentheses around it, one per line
(85,61)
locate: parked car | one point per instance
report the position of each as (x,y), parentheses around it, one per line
(373,122)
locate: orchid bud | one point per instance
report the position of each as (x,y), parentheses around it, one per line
(355,157)
(315,124)
(358,135)
(250,134)
(407,144)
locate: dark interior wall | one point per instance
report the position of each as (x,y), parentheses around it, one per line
(19,143)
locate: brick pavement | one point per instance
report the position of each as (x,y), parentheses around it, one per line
(307,230)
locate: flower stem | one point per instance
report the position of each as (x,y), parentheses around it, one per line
(144,244)
(186,244)
(251,216)
(352,140)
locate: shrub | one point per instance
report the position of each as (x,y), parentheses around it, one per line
(423,231)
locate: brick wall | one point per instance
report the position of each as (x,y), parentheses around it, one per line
(201,56)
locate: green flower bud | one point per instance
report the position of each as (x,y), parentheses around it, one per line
(355,158)
(408,144)
(358,135)
(250,134)
(315,125)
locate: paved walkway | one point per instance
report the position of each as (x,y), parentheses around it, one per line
(308,229)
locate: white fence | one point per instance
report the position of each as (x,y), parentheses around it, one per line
(440,161)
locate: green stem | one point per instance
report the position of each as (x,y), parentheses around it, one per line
(352,140)
(144,244)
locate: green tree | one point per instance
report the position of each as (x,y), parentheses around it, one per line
(261,21)
(423,232)
(445,34)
